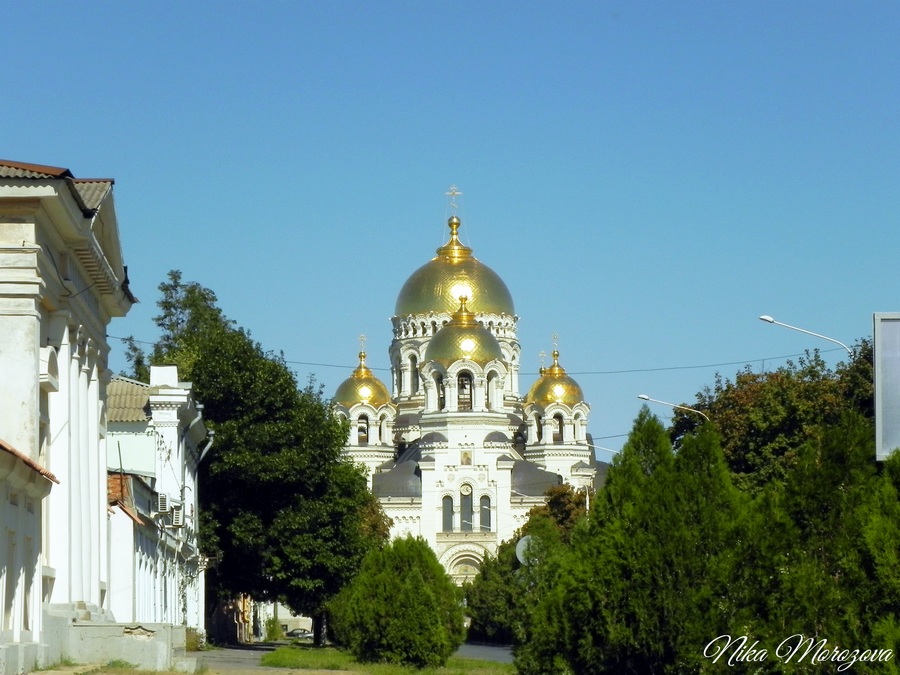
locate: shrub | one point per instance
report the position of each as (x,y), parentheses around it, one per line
(401,608)
(273,629)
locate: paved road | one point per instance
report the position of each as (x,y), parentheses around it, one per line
(234,660)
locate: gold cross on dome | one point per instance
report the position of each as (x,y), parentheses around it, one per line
(555,341)
(362,343)
(453,194)
(542,355)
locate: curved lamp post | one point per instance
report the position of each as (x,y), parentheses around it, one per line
(644,397)
(769,319)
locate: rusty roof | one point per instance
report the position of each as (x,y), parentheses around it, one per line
(10,169)
(46,473)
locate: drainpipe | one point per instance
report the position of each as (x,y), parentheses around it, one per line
(210,436)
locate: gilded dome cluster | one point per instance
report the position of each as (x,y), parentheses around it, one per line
(362,387)
(555,386)
(463,338)
(454,272)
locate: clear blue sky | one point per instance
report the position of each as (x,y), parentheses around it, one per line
(648,178)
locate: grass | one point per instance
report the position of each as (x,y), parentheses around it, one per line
(307,657)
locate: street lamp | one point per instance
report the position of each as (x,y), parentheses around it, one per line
(644,397)
(769,319)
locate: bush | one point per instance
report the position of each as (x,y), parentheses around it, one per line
(273,629)
(401,608)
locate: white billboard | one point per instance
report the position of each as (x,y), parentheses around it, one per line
(887,383)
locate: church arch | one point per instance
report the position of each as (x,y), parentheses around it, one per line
(466,508)
(447,513)
(558,428)
(485,513)
(362,430)
(465,385)
(413,374)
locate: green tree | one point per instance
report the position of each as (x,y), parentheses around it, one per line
(647,575)
(492,597)
(764,418)
(283,513)
(825,553)
(401,608)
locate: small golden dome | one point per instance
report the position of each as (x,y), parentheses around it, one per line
(362,387)
(554,386)
(454,272)
(463,338)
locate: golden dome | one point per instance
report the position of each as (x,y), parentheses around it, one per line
(362,387)
(554,386)
(454,272)
(463,338)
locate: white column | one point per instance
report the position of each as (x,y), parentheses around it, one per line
(478,394)
(75,479)
(547,430)
(97,502)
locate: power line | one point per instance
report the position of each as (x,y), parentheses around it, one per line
(625,371)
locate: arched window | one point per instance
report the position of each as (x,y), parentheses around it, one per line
(485,514)
(466,509)
(362,430)
(413,375)
(464,391)
(539,423)
(558,428)
(447,506)
(439,383)
(489,390)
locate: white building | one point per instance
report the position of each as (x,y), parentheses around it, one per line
(62,280)
(455,453)
(155,441)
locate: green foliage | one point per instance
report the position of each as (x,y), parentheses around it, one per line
(764,418)
(194,640)
(273,629)
(646,579)
(119,664)
(401,608)
(306,657)
(284,514)
(492,597)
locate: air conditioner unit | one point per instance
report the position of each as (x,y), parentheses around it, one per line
(177,515)
(162,503)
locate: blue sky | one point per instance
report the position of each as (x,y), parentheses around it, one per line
(647,177)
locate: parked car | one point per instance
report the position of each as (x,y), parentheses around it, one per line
(300,633)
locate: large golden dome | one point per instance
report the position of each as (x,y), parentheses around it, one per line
(554,386)
(454,272)
(463,338)
(362,387)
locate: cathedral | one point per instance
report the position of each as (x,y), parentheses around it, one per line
(454,453)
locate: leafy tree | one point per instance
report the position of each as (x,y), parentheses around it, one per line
(401,608)
(283,513)
(565,506)
(493,598)
(764,418)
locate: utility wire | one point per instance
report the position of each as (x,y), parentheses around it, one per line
(625,371)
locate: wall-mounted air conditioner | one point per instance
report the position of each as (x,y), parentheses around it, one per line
(178,515)
(162,503)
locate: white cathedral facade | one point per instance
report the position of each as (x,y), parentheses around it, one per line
(454,452)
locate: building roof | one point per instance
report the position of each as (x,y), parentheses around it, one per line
(128,400)
(30,463)
(88,192)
